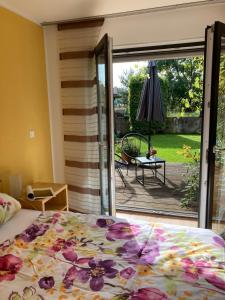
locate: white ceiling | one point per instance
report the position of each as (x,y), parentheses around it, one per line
(41,11)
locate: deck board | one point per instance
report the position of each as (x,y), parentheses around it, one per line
(154,195)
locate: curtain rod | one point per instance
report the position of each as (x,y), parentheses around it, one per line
(140,11)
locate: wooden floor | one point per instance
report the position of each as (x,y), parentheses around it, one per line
(154,197)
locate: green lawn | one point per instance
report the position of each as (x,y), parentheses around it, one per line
(167,146)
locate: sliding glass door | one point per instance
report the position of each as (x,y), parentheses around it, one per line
(212,208)
(103,55)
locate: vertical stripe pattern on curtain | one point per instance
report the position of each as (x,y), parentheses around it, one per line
(80,122)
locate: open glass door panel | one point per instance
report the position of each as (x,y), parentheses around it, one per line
(103,55)
(218,143)
(212,207)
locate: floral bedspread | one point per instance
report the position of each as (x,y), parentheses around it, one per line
(73,256)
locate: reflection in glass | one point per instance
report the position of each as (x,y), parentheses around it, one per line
(103,128)
(219,180)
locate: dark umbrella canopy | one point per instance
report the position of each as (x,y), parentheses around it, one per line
(150,106)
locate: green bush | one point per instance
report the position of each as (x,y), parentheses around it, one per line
(191,189)
(135,88)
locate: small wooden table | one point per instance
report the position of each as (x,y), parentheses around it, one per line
(149,163)
(59,201)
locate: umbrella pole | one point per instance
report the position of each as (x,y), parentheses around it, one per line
(149,135)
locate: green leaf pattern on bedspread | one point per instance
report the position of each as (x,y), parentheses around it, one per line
(84,257)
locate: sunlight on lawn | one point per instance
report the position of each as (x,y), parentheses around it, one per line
(167,146)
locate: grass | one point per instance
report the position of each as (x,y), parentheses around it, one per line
(167,146)
(183,114)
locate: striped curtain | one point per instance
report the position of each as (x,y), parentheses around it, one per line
(79,102)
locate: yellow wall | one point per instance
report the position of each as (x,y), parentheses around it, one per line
(23,101)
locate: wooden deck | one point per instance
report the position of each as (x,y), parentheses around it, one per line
(154,197)
(154,218)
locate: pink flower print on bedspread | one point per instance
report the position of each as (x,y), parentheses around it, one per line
(61,244)
(202,269)
(69,244)
(9,267)
(159,234)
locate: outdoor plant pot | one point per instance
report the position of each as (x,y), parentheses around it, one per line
(126,157)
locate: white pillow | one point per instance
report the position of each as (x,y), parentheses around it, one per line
(8,207)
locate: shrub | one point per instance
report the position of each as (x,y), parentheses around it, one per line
(191,196)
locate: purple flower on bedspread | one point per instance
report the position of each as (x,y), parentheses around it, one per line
(143,253)
(46,282)
(61,245)
(33,231)
(219,241)
(122,231)
(149,294)
(9,267)
(215,280)
(104,222)
(127,273)
(70,255)
(97,270)
(70,277)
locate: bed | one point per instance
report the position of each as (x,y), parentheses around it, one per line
(63,255)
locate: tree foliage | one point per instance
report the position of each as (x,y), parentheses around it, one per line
(134,93)
(221,106)
(182,83)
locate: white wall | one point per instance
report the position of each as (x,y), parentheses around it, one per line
(54,98)
(178,25)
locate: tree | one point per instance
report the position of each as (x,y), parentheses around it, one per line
(125,77)
(136,82)
(122,94)
(181,83)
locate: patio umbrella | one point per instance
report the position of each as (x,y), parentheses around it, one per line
(150,106)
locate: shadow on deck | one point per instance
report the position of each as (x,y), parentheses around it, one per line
(154,197)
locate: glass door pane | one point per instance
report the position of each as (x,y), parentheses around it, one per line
(212,206)
(105,124)
(218,208)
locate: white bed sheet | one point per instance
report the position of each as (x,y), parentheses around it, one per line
(17,224)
